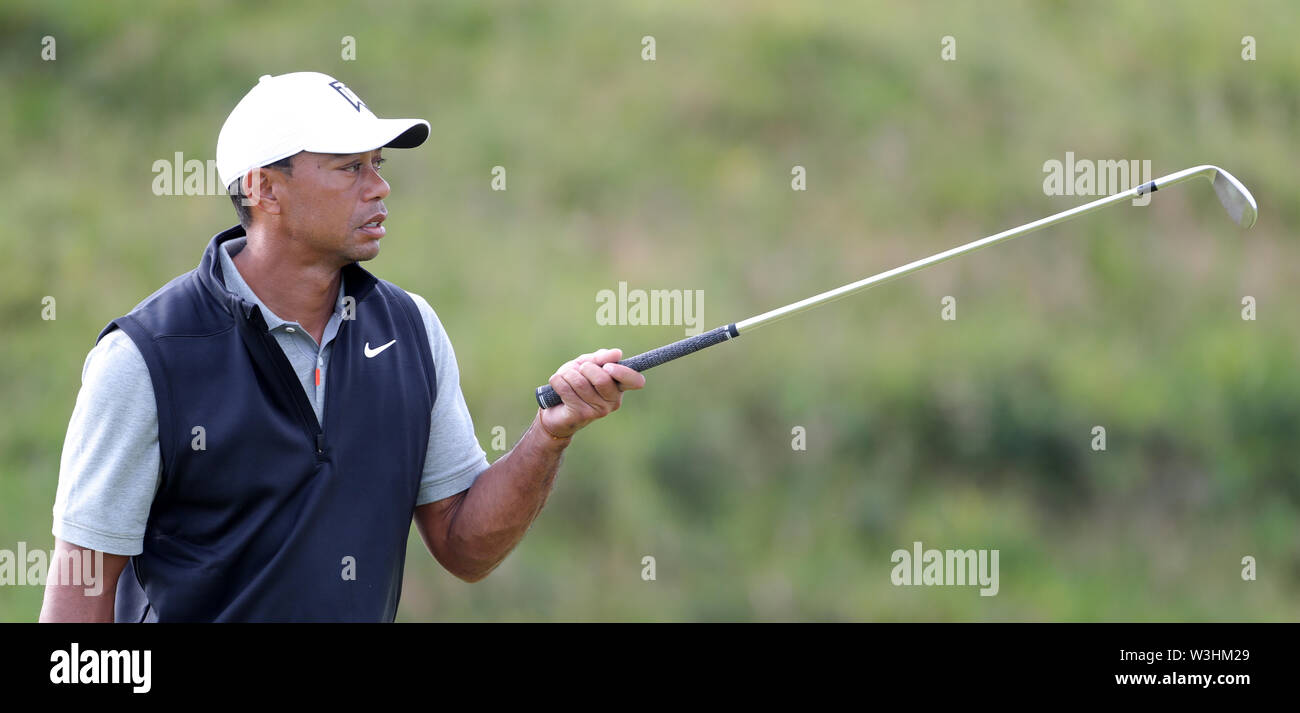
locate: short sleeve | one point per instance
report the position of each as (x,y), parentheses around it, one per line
(454,458)
(111,466)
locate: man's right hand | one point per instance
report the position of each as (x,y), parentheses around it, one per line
(591,386)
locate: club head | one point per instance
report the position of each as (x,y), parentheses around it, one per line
(1238,201)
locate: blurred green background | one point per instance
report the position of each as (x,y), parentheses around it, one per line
(974,433)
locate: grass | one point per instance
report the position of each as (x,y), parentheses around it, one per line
(675,174)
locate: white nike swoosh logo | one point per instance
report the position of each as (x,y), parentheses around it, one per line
(370,353)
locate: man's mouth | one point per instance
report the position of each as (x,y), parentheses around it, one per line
(374,226)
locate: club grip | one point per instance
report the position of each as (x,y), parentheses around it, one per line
(546,396)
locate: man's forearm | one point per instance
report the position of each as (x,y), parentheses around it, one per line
(65,603)
(471,532)
(503,502)
(89,592)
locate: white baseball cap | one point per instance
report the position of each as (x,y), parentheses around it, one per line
(305,111)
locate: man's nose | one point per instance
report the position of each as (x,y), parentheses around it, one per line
(376,186)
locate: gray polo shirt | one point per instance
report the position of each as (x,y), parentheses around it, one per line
(111,464)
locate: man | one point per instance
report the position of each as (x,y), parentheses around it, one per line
(252,441)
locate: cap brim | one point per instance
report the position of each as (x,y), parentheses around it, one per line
(377,133)
(415,133)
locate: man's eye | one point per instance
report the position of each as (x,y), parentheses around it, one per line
(357,166)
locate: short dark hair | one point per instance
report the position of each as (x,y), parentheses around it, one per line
(236,190)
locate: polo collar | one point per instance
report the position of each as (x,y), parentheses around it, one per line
(357,282)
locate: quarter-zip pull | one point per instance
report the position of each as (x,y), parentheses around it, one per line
(320,443)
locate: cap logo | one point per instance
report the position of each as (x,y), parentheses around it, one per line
(348,95)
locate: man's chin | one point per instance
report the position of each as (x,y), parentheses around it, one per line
(365,251)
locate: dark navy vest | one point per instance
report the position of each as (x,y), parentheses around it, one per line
(277,518)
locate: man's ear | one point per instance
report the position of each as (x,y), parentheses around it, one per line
(259,190)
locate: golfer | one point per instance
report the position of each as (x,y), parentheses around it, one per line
(252,441)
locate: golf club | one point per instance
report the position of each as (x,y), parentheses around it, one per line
(1232,194)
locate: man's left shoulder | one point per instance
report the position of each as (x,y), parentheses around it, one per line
(392,292)
(432,325)
(426,310)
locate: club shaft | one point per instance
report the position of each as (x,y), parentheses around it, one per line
(547,397)
(853,288)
